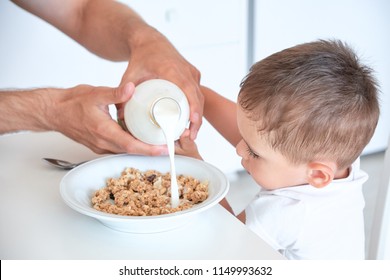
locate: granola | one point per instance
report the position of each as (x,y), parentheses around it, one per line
(148,193)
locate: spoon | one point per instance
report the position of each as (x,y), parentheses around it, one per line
(62,163)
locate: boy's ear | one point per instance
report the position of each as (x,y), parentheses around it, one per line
(320,174)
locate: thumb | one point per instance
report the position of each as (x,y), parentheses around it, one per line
(107,95)
(123,93)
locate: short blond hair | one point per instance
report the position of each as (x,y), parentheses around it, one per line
(314,101)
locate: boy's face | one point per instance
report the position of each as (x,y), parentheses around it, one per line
(269,168)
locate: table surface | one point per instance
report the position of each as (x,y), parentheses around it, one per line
(35,223)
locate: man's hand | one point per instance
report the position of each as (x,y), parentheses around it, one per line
(82,114)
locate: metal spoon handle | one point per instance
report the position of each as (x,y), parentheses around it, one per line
(63,164)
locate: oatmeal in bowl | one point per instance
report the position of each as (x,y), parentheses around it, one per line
(131,193)
(137,193)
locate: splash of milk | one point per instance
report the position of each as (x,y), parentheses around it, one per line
(166,112)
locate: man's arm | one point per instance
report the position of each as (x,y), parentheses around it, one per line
(106,28)
(114,31)
(81,113)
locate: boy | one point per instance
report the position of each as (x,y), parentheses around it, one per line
(304,115)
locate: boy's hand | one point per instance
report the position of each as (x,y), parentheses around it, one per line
(185,146)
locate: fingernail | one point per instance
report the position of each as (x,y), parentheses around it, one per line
(129,88)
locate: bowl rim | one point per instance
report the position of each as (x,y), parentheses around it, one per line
(100,215)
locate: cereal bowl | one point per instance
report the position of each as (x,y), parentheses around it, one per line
(79,185)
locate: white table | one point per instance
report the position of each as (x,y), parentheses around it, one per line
(36,224)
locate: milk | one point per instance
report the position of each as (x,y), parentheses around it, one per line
(166,113)
(157,114)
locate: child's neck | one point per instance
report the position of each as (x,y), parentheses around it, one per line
(341,174)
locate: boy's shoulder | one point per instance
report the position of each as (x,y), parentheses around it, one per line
(281,218)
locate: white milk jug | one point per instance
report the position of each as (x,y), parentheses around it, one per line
(150,98)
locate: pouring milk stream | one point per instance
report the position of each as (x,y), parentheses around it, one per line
(157,114)
(166,112)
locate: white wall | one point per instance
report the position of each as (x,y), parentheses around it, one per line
(364,24)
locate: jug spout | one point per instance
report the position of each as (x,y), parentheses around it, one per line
(165,105)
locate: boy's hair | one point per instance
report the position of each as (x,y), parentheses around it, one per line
(314,101)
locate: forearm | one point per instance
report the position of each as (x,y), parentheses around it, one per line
(111,29)
(106,28)
(114,31)
(221,113)
(24,110)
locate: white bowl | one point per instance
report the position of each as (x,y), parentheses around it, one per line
(79,185)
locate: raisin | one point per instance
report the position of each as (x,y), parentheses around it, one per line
(151,178)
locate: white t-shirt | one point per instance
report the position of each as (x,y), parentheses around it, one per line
(305,222)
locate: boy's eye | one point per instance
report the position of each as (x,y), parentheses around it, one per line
(251,153)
